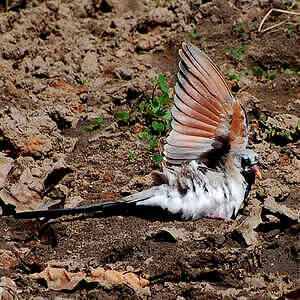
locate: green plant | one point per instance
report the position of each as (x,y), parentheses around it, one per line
(262,118)
(232,76)
(257,71)
(235,51)
(271,74)
(157,158)
(123,115)
(288,72)
(157,116)
(289,4)
(193,34)
(270,132)
(286,133)
(96,124)
(133,155)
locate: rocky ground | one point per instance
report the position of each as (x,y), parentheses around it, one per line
(64,64)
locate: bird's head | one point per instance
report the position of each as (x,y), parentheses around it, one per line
(249,161)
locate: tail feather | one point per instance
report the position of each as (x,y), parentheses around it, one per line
(108,208)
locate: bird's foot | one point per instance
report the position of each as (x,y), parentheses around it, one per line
(220,218)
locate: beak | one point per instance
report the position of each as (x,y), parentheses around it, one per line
(256,171)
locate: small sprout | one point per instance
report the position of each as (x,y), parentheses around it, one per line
(158,126)
(257,71)
(288,72)
(133,154)
(123,115)
(89,129)
(245,35)
(144,135)
(263,118)
(298,73)
(271,74)
(193,34)
(298,125)
(254,26)
(286,133)
(153,141)
(236,52)
(97,121)
(289,4)
(232,76)
(270,132)
(160,81)
(157,158)
(141,106)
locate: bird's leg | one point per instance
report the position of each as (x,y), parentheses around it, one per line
(229,220)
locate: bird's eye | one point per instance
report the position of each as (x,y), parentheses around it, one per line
(245,162)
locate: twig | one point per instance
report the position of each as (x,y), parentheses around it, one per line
(296,13)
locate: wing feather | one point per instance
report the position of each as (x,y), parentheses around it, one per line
(205,114)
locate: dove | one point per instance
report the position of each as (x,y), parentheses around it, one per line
(208,170)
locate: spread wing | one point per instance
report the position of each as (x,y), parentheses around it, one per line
(206,116)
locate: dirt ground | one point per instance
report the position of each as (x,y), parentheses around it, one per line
(64,63)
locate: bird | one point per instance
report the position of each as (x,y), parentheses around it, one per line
(207,170)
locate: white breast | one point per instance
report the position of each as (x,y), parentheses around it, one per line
(196,192)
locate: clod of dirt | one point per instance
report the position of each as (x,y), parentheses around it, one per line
(273,188)
(6,164)
(8,289)
(281,209)
(33,183)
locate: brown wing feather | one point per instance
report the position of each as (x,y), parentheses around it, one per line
(204,112)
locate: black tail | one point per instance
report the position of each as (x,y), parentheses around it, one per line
(122,206)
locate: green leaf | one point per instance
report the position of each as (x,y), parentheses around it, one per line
(144,135)
(163,99)
(298,125)
(153,141)
(166,115)
(123,115)
(193,34)
(141,106)
(169,124)
(160,81)
(89,129)
(262,118)
(157,158)
(286,133)
(231,76)
(257,71)
(254,25)
(133,154)
(97,121)
(288,72)
(158,126)
(271,74)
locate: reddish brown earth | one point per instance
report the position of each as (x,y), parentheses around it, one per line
(64,63)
